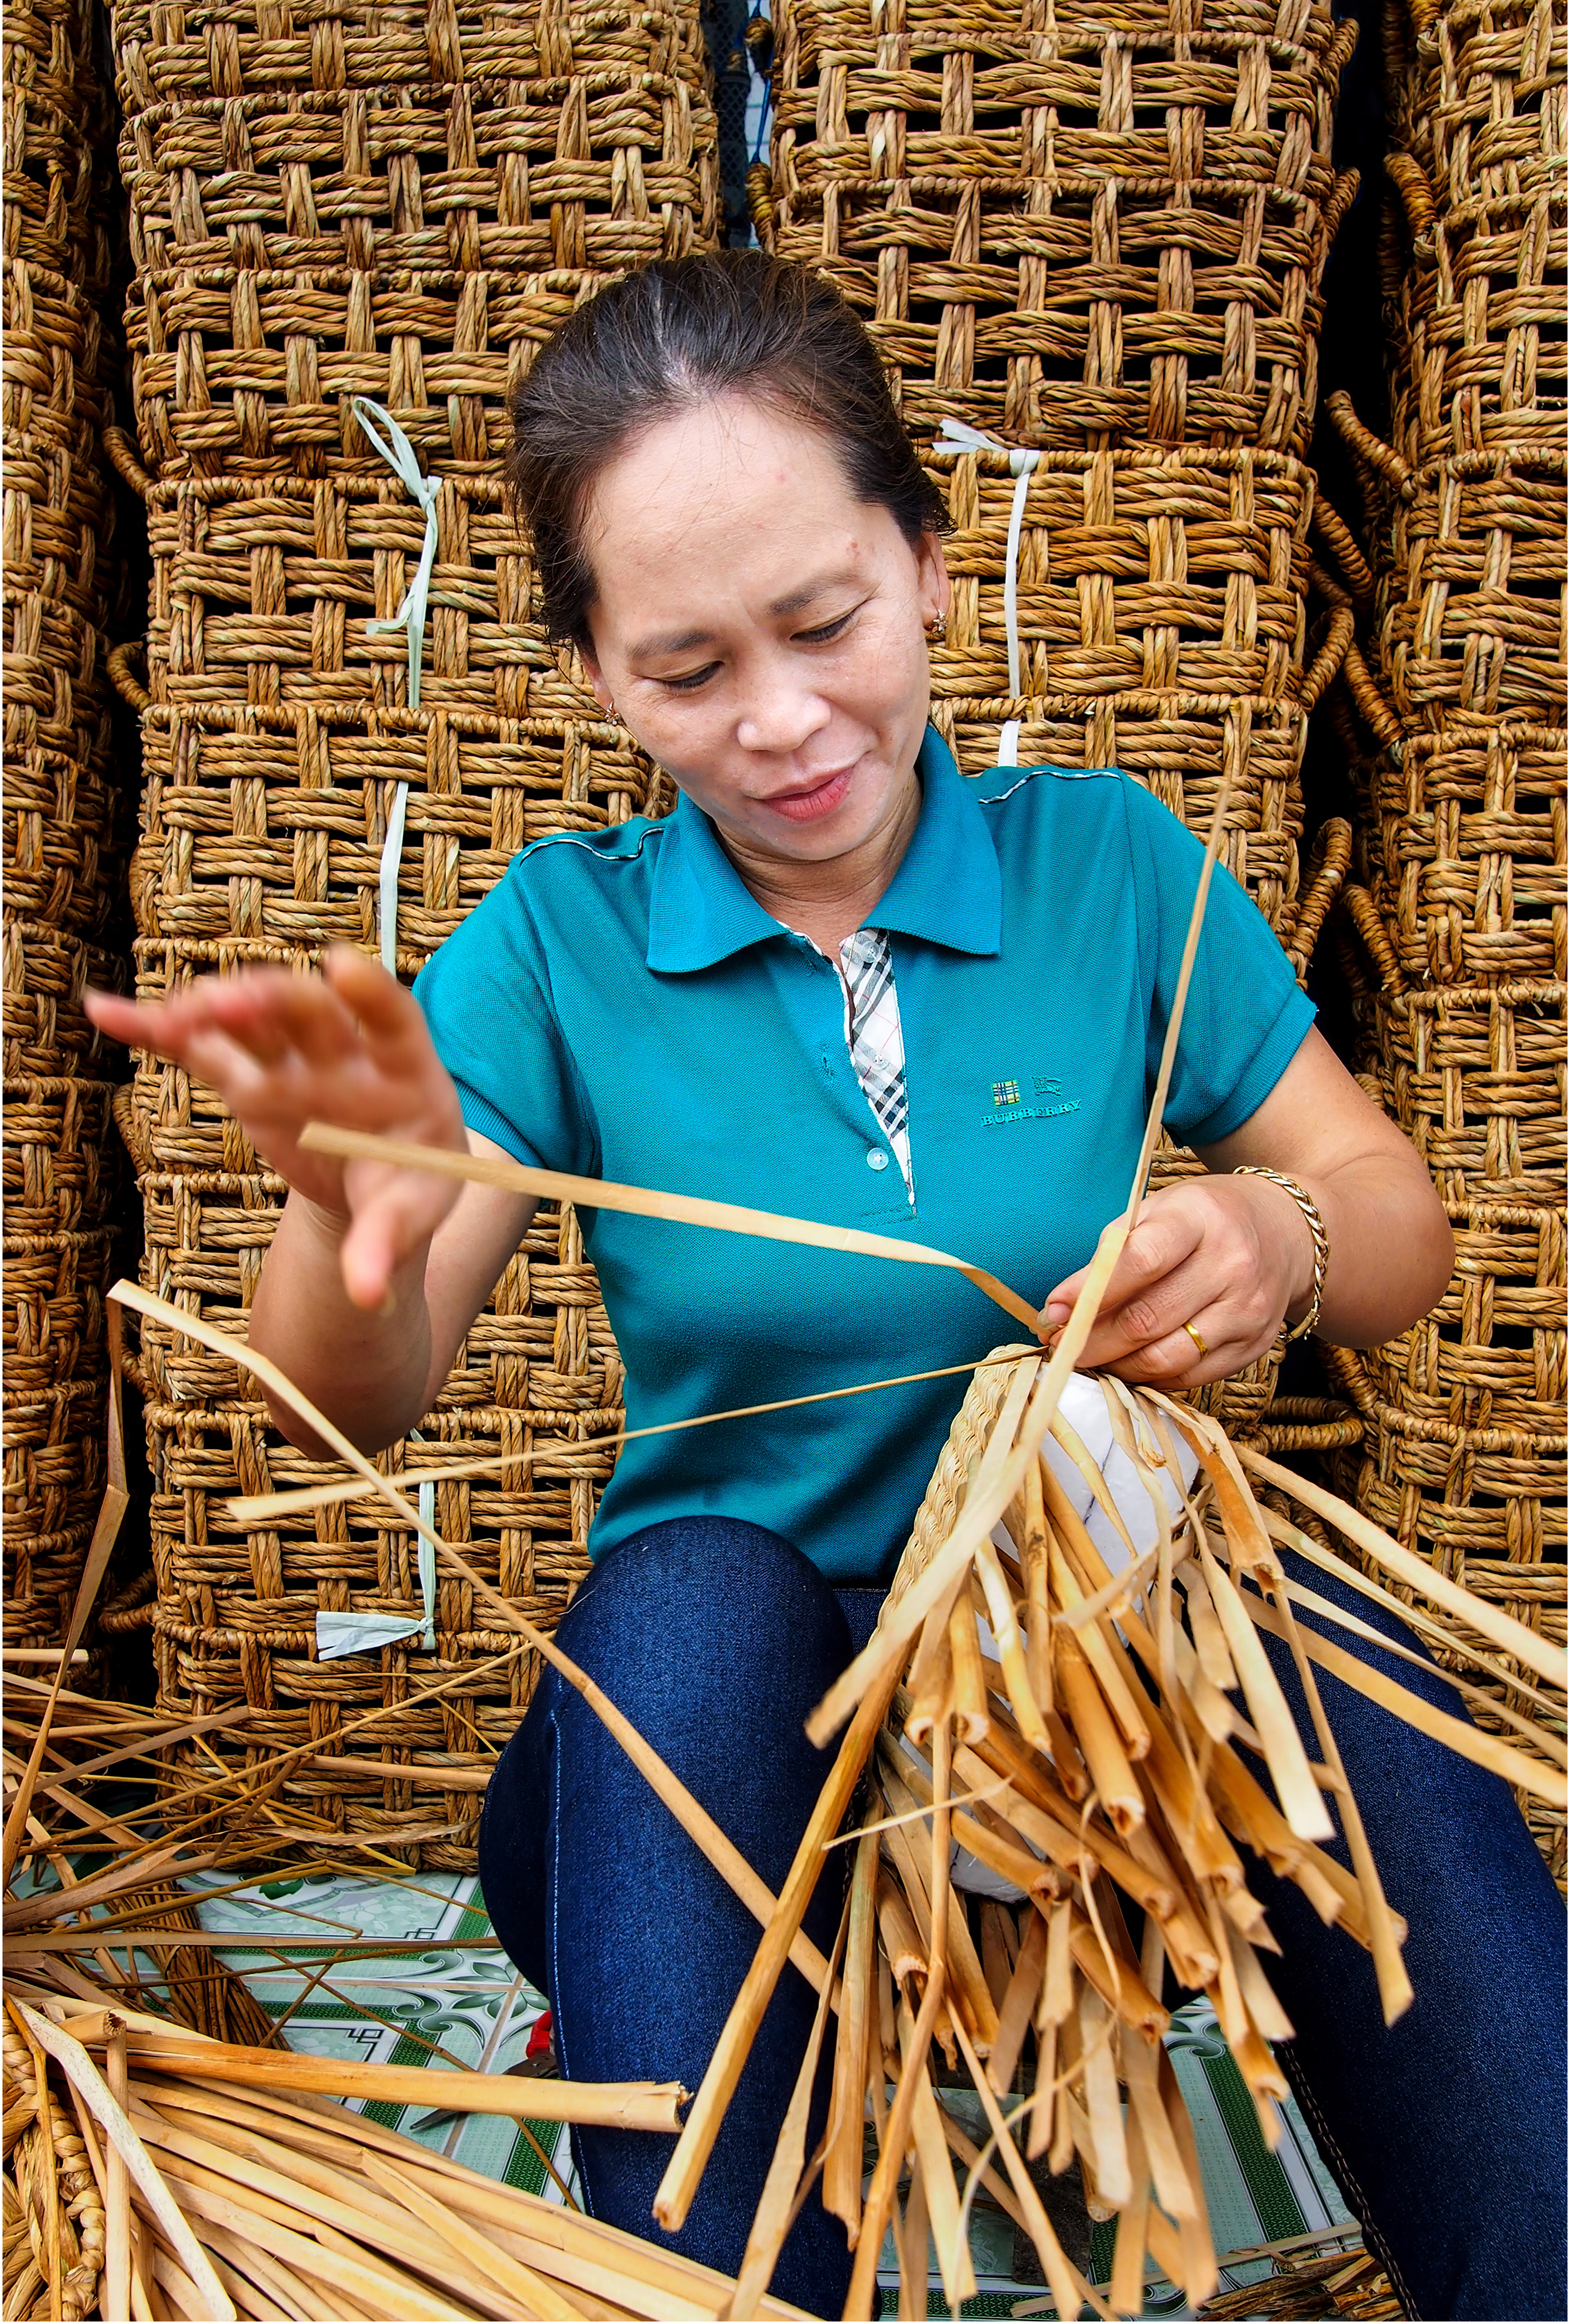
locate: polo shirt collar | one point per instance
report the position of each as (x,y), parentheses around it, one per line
(948,891)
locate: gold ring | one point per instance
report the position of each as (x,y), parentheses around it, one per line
(1198,1339)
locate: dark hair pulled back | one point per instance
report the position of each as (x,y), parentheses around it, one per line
(675,334)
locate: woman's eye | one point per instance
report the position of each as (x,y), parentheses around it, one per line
(690,684)
(821,637)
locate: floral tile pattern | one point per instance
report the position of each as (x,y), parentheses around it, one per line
(455,1999)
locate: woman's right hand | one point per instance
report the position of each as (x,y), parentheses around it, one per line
(349,1046)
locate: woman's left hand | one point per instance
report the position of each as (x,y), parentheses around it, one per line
(1231,1257)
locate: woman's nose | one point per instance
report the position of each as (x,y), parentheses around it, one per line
(781,713)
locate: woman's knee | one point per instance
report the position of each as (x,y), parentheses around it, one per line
(711,1609)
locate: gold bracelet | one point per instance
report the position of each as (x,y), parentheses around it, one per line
(1310,1210)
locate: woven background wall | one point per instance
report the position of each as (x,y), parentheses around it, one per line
(1454,932)
(62,822)
(400,204)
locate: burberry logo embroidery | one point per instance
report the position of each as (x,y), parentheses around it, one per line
(1007,1105)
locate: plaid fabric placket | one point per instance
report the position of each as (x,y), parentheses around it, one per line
(876,1038)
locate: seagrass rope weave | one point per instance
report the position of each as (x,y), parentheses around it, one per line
(1463,1452)
(58,205)
(62,850)
(1467,829)
(398,203)
(1079,225)
(1474,610)
(1475,230)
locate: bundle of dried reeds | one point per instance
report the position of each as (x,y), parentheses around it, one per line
(1075,1730)
(208,2181)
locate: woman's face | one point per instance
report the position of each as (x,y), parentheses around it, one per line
(760,630)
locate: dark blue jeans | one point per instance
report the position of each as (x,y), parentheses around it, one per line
(1445,2132)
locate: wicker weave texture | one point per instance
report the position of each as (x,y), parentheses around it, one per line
(403,204)
(1463,1446)
(537,1380)
(1474,620)
(1163,626)
(59,853)
(59,204)
(1468,829)
(1085,226)
(1475,258)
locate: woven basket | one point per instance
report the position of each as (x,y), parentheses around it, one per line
(1465,828)
(1485,1506)
(274,736)
(1163,628)
(235,48)
(54,1482)
(1462,1456)
(62,865)
(57,205)
(398,203)
(537,1380)
(1475,622)
(1474,232)
(1085,226)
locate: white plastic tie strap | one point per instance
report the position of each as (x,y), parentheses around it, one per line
(387,880)
(362,1634)
(398,454)
(955,435)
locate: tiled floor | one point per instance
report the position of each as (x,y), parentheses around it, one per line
(457,2000)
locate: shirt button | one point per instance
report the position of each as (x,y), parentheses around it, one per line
(877,1159)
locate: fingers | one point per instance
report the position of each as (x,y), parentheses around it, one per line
(122,1019)
(1192,1260)
(384,1011)
(1165,1234)
(389,1226)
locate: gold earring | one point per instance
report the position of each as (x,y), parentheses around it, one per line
(937,628)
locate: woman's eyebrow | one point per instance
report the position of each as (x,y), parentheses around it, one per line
(799,598)
(676,641)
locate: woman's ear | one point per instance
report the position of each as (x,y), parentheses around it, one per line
(932,583)
(595,674)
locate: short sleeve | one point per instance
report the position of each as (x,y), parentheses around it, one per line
(1246,1017)
(486,1000)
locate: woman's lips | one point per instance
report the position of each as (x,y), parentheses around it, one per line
(809,805)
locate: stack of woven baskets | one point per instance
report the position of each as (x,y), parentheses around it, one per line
(399,204)
(62,872)
(1099,234)
(1460,905)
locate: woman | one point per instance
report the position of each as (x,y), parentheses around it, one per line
(840,982)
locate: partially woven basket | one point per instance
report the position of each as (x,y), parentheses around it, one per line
(1082,225)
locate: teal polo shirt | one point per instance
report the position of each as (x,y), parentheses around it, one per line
(622,1006)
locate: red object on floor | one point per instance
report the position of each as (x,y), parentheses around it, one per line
(539,2038)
